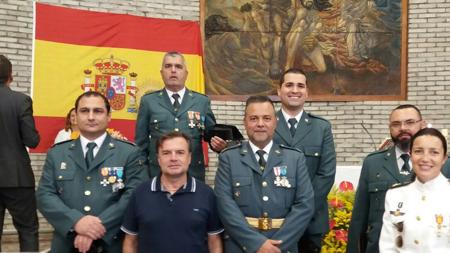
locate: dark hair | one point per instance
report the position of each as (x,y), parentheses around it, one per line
(170,136)
(5,69)
(93,94)
(258,99)
(431,132)
(291,70)
(68,124)
(406,106)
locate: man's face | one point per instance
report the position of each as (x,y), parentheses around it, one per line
(174,157)
(293,92)
(403,124)
(174,72)
(92,117)
(260,123)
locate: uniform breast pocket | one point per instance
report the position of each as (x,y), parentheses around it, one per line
(64,182)
(377,192)
(242,190)
(158,123)
(312,155)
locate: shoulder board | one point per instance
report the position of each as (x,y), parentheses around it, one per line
(378,152)
(61,142)
(289,147)
(398,185)
(125,141)
(317,117)
(231,147)
(151,92)
(197,93)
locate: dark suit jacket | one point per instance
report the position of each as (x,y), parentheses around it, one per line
(313,136)
(157,117)
(17,132)
(379,172)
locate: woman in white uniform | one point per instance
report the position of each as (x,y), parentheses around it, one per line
(417,215)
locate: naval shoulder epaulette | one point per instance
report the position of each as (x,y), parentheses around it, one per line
(231,147)
(398,185)
(61,142)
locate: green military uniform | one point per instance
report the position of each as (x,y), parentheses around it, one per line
(68,190)
(379,172)
(157,117)
(244,190)
(313,136)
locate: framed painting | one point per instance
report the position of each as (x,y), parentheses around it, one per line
(351,50)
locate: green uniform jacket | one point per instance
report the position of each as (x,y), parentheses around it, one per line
(157,117)
(68,190)
(243,190)
(379,172)
(314,137)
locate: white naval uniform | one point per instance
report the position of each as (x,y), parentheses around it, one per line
(420,207)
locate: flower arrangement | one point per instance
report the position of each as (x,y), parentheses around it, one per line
(111,131)
(340,201)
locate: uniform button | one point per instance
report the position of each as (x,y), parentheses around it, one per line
(418,218)
(416,241)
(264,184)
(424,198)
(87,208)
(176,119)
(88,178)
(244,248)
(376,189)
(316,154)
(265,198)
(199,162)
(265,214)
(238,184)
(176,129)
(87,193)
(60,177)
(378,175)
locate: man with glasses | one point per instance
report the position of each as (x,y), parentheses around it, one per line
(381,170)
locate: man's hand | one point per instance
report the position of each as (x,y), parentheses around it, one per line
(217,144)
(82,243)
(90,226)
(270,246)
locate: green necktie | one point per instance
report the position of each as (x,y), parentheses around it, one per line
(90,153)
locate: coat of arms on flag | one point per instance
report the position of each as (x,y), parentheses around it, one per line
(110,79)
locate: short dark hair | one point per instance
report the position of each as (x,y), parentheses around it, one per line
(293,71)
(431,132)
(406,106)
(5,69)
(170,136)
(68,123)
(93,94)
(258,99)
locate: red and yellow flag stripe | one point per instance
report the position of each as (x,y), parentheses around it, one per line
(68,43)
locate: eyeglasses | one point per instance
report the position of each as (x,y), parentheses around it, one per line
(408,123)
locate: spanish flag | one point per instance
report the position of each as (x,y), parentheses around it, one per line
(116,54)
